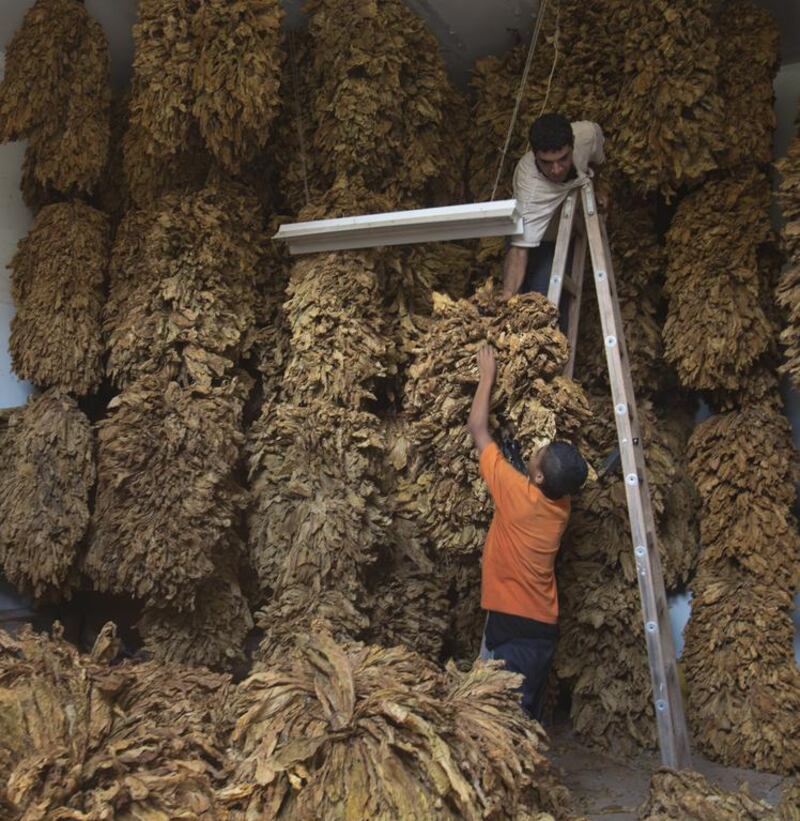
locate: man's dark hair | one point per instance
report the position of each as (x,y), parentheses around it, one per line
(564,470)
(551,132)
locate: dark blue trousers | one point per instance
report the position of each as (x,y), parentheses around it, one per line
(531,658)
(537,275)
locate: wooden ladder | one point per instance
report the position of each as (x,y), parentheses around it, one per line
(591,231)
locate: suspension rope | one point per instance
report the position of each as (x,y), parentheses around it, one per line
(523,82)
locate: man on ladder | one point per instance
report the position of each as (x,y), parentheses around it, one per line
(561,159)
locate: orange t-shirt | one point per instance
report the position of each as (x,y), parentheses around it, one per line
(519,557)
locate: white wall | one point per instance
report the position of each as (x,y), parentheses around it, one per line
(15,220)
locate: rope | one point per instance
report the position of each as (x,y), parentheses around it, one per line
(298,112)
(522,84)
(555,60)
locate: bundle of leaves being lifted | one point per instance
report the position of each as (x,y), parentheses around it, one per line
(351,731)
(718,326)
(789,287)
(688,795)
(668,123)
(56,94)
(440,487)
(47,478)
(58,275)
(183,287)
(167,502)
(83,739)
(318,516)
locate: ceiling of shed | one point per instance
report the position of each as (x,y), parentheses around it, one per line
(466,29)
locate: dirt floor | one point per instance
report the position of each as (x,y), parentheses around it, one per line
(612,789)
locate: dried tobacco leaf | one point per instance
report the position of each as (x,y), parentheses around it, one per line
(744,686)
(111,194)
(213,634)
(745,467)
(56,93)
(789,807)
(603,655)
(668,122)
(267,344)
(318,516)
(58,276)
(339,731)
(747,573)
(167,500)
(688,795)
(717,326)
(183,287)
(48,476)
(788,292)
(467,619)
(164,61)
(380,94)
(408,602)
(236,79)
(83,739)
(749,54)
(338,346)
(150,176)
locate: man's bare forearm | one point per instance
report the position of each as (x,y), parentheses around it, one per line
(514,270)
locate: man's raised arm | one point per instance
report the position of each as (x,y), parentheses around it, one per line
(478,422)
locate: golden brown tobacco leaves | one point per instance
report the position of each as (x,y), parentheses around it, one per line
(58,276)
(56,94)
(167,501)
(47,478)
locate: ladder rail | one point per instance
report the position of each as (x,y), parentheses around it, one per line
(560,280)
(670,717)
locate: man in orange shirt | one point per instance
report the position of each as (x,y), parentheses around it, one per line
(518,585)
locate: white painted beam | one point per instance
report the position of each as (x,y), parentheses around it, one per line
(451,222)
